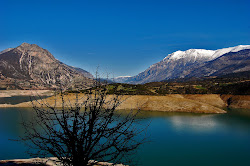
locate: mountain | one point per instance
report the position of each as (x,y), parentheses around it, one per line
(232,62)
(84,72)
(6,50)
(189,63)
(121,78)
(29,66)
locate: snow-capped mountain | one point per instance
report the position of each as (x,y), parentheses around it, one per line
(121,78)
(202,54)
(181,64)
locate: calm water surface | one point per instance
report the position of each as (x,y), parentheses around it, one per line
(175,138)
(19,99)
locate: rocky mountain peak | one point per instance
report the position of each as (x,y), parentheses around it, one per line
(35,51)
(24,44)
(31,67)
(31,47)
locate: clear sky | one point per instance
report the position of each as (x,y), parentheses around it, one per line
(123,37)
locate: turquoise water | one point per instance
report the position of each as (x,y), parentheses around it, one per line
(175,138)
(19,99)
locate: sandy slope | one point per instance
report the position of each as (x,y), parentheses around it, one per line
(9,93)
(171,103)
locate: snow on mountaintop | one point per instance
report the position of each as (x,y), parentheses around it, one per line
(222,51)
(202,53)
(191,52)
(121,79)
(123,76)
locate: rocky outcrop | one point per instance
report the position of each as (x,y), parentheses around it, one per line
(29,66)
(236,101)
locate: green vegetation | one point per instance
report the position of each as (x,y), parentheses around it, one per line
(128,89)
(200,87)
(220,85)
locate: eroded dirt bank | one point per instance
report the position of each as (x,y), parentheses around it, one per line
(196,103)
(237,101)
(171,103)
(222,101)
(10,93)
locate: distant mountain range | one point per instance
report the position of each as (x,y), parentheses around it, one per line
(195,63)
(121,79)
(29,66)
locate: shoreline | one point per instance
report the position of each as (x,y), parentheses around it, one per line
(50,161)
(194,103)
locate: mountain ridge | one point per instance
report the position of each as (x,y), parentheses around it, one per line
(29,66)
(179,64)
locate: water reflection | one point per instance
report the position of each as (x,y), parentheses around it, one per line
(194,123)
(235,119)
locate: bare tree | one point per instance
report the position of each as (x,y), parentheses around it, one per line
(85,128)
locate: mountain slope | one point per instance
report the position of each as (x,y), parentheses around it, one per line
(232,62)
(181,64)
(29,66)
(84,72)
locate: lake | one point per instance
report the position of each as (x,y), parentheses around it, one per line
(19,99)
(175,138)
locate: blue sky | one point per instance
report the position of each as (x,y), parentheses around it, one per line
(123,37)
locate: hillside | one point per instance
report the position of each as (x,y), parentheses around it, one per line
(29,66)
(234,84)
(195,63)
